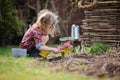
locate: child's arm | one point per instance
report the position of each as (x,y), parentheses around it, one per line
(44,47)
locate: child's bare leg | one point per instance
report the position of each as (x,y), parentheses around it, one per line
(44,40)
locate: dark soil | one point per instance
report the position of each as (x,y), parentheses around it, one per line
(107,65)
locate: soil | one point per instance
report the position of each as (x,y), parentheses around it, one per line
(107,65)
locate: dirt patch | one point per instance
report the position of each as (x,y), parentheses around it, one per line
(107,65)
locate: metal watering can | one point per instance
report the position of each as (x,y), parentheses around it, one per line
(75,32)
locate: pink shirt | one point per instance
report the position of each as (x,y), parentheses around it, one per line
(31,38)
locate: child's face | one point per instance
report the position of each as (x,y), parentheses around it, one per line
(50,28)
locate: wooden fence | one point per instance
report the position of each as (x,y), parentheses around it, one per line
(102,24)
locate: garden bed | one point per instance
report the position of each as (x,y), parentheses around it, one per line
(107,65)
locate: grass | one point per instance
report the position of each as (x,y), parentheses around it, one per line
(29,69)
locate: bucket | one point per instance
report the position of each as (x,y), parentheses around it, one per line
(44,53)
(18,52)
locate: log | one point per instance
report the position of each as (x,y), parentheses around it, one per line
(102,38)
(87,35)
(101,33)
(111,17)
(102,30)
(94,26)
(108,2)
(109,14)
(101,20)
(112,41)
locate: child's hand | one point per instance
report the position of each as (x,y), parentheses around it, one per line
(65,48)
(60,48)
(55,50)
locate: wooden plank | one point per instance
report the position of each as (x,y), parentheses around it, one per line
(113,41)
(101,20)
(101,38)
(103,30)
(103,17)
(108,2)
(104,38)
(100,33)
(102,10)
(108,6)
(105,14)
(87,35)
(94,26)
(102,24)
(108,17)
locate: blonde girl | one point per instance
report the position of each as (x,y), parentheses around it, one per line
(36,37)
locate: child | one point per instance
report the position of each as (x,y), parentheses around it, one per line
(36,37)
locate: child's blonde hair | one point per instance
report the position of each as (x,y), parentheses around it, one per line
(46,17)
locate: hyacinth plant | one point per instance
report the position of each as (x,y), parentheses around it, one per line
(65,48)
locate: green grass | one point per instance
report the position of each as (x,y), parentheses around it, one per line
(30,69)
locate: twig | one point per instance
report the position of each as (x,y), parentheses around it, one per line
(68,63)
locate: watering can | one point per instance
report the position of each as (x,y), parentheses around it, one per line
(75,32)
